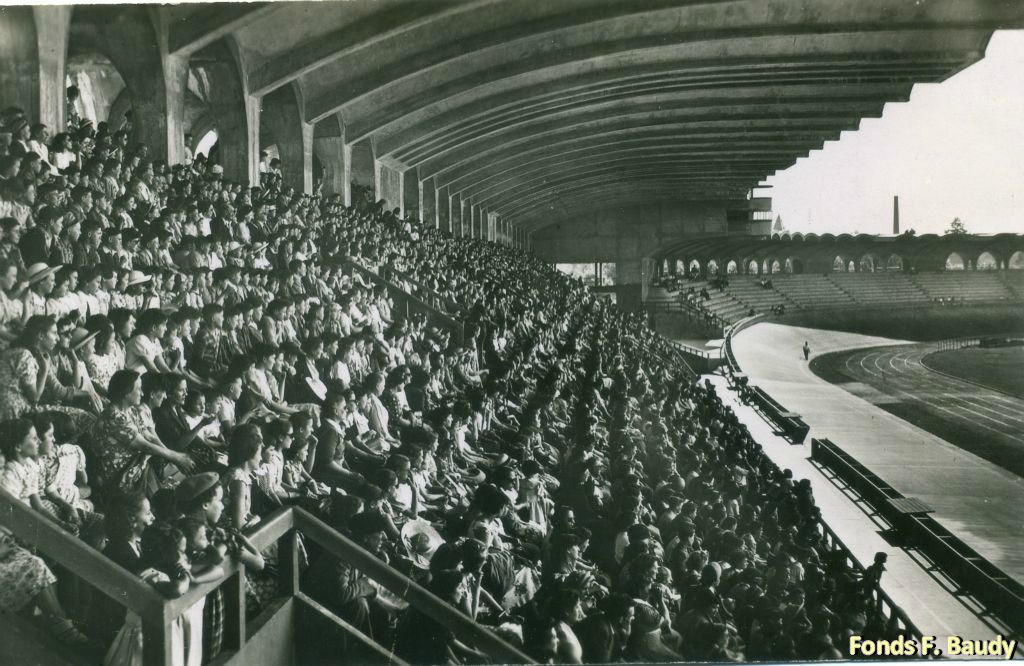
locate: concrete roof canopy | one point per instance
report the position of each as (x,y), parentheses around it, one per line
(529,108)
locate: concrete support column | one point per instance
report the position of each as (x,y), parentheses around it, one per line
(463,217)
(444,210)
(428,203)
(330,150)
(347,187)
(411,194)
(282,124)
(19,60)
(388,185)
(455,214)
(157,80)
(253,111)
(362,168)
(53,25)
(228,116)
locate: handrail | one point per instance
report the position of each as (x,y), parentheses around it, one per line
(158,612)
(975,573)
(884,599)
(460,625)
(47,537)
(268,531)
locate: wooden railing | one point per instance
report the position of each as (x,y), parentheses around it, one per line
(282,527)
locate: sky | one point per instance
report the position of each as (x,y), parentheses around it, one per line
(956,149)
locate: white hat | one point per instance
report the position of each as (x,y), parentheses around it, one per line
(137,277)
(421,540)
(39,271)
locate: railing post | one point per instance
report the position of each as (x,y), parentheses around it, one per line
(234,611)
(156,643)
(288,564)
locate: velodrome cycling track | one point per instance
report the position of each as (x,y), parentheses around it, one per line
(973,497)
(984,421)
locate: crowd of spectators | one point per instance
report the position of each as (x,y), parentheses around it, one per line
(181,355)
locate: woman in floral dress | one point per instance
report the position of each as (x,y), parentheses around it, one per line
(28,380)
(120,452)
(27,584)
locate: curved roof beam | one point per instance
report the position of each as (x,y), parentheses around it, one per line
(610,131)
(728,99)
(527,45)
(699,185)
(392,22)
(736,115)
(193,27)
(600,195)
(428,124)
(750,163)
(599,146)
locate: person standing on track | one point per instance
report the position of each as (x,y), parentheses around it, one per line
(807,351)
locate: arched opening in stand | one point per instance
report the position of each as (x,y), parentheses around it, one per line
(206,144)
(1016,262)
(955,262)
(732,268)
(894,263)
(869,263)
(839,265)
(986,262)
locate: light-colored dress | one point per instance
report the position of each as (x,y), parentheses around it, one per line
(60,474)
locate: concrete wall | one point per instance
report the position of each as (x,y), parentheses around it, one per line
(625,236)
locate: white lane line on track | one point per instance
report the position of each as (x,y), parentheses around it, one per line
(966,393)
(959,412)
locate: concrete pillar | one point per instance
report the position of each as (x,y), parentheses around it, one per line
(33,52)
(330,150)
(156,80)
(347,187)
(411,194)
(227,108)
(53,25)
(428,203)
(253,111)
(463,216)
(444,210)
(388,185)
(362,168)
(455,214)
(19,60)
(282,124)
